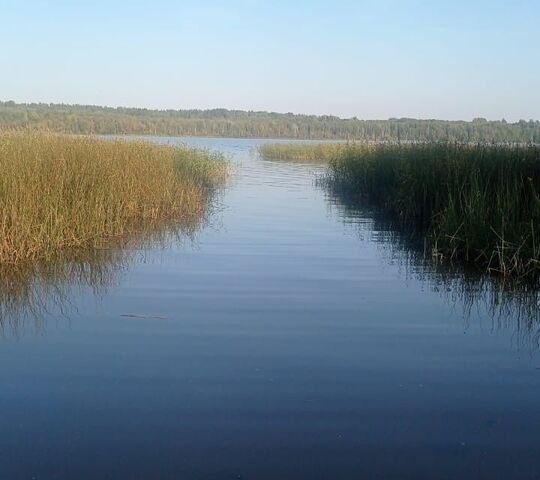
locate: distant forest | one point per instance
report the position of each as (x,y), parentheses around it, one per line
(81,119)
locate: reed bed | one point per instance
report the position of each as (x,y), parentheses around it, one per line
(302,152)
(478,204)
(61,192)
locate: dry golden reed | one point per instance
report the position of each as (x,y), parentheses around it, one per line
(59,192)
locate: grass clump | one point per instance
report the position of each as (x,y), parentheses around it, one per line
(59,192)
(478,204)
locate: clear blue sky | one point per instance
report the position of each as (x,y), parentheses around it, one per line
(367,58)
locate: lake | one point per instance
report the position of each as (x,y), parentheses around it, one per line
(289,337)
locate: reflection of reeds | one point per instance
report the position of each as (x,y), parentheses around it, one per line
(30,291)
(59,192)
(510,304)
(477,204)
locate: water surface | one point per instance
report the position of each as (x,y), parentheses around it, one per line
(290,338)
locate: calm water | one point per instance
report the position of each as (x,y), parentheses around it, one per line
(290,338)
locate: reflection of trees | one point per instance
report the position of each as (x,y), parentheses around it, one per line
(511,305)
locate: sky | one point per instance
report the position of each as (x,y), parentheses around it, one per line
(371,59)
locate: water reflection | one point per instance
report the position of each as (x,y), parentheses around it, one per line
(30,293)
(509,304)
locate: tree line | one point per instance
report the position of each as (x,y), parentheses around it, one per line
(83,119)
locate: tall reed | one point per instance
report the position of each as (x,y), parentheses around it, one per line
(478,204)
(59,192)
(312,152)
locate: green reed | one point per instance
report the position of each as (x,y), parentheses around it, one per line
(302,152)
(473,203)
(477,204)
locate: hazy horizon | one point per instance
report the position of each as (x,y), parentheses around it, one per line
(366,59)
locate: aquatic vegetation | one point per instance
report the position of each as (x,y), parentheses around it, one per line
(302,152)
(62,192)
(478,204)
